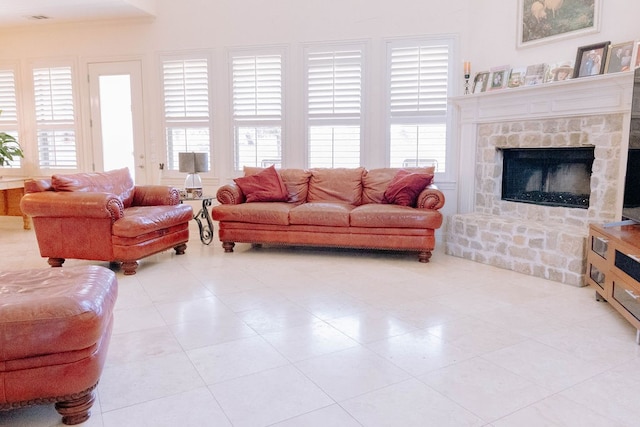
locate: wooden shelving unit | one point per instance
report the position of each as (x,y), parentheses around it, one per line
(613,268)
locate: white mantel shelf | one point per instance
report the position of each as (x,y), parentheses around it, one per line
(595,95)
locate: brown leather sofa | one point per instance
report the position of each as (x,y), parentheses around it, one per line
(342,207)
(55,329)
(105,217)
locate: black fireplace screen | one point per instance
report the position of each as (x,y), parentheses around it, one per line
(548,176)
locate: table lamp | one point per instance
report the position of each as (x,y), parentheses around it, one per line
(191,164)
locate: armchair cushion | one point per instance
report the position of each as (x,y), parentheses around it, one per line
(118,182)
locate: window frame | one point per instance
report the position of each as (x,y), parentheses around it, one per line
(257,121)
(187,123)
(336,120)
(76,125)
(452,44)
(14,127)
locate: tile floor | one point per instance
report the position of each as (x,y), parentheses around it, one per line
(313,337)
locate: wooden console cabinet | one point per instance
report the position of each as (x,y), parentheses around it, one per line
(613,268)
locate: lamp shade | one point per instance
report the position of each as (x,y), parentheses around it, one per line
(193,162)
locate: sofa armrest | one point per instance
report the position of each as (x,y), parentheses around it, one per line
(155,195)
(230,194)
(430,198)
(72,205)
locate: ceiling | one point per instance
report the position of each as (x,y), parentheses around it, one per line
(37,12)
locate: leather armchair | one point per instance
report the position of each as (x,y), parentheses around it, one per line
(105,217)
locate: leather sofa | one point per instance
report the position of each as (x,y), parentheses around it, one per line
(55,329)
(105,217)
(341,207)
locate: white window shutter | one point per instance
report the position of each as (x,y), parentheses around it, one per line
(334,105)
(187,114)
(257,108)
(8,104)
(55,117)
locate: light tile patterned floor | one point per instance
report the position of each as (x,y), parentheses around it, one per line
(317,337)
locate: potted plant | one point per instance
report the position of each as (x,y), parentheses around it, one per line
(9,147)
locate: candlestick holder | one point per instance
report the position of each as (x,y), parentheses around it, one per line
(466,83)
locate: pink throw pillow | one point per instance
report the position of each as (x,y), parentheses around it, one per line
(405,187)
(266,186)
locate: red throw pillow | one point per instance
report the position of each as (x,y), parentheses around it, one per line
(405,187)
(266,186)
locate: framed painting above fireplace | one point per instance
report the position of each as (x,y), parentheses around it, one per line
(543,21)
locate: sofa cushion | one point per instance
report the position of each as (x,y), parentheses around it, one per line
(258,213)
(117,182)
(295,180)
(321,213)
(374,215)
(405,187)
(376,181)
(336,185)
(264,186)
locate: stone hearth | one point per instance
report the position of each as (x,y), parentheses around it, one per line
(543,241)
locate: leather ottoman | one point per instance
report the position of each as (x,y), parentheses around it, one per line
(55,326)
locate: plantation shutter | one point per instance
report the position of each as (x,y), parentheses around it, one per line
(9,110)
(417,102)
(257,109)
(8,104)
(334,106)
(186,107)
(257,87)
(55,117)
(418,86)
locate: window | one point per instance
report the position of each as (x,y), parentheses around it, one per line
(9,109)
(334,103)
(417,102)
(257,109)
(186,107)
(55,117)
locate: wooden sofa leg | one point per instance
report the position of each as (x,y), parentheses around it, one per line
(424,256)
(78,410)
(180,249)
(129,267)
(56,262)
(228,246)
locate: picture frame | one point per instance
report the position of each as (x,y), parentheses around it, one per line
(538,23)
(636,55)
(516,77)
(590,60)
(480,82)
(560,71)
(536,74)
(620,57)
(498,77)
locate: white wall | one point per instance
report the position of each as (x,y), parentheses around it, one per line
(486,32)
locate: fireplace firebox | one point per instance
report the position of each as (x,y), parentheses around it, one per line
(548,176)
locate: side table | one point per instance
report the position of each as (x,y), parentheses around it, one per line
(206,228)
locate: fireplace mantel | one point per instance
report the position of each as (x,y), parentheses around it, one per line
(595,95)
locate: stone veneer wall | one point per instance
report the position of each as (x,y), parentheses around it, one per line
(543,241)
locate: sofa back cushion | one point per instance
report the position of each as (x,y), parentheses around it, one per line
(296,182)
(264,186)
(117,182)
(376,181)
(405,187)
(336,185)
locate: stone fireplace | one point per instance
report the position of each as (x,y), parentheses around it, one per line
(585,123)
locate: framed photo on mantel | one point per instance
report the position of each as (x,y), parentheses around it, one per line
(590,60)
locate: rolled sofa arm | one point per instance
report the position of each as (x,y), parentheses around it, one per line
(155,195)
(72,204)
(430,198)
(230,194)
